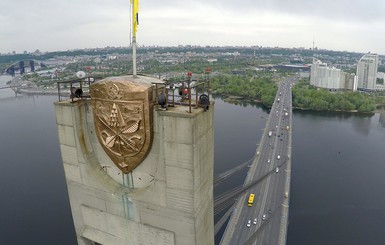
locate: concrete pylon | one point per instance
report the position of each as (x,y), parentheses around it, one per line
(166,199)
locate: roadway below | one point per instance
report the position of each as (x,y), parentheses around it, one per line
(269,212)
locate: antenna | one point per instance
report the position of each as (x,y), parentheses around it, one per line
(313,42)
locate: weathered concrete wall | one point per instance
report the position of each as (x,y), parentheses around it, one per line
(167,199)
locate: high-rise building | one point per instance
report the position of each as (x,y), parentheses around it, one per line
(367,68)
(326,77)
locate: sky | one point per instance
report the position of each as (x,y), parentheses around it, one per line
(52,25)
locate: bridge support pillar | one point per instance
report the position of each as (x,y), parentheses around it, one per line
(167,199)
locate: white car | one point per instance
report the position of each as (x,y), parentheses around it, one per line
(255,221)
(278,157)
(276,170)
(268,160)
(263,216)
(248,223)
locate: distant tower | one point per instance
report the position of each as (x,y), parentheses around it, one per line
(137,175)
(32,65)
(21,67)
(367,68)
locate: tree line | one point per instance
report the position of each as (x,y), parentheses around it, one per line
(321,99)
(305,96)
(248,87)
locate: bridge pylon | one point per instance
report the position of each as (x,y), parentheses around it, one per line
(121,193)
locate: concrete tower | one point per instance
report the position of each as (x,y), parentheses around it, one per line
(367,68)
(136,174)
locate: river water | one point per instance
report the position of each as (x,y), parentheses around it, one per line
(338,171)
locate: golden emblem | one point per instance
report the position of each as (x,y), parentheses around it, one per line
(123,120)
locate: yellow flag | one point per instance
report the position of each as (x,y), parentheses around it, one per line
(135,17)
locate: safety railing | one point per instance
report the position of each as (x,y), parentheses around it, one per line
(75,88)
(183,92)
(188,92)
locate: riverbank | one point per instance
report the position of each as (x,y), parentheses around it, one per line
(241,100)
(30,88)
(22,86)
(349,111)
(38,91)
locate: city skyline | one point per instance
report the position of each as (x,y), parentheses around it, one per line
(54,26)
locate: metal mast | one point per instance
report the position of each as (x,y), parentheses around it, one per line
(135,22)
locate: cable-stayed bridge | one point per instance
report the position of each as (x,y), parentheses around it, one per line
(263,220)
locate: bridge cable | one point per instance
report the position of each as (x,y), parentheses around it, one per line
(232,194)
(223,220)
(225,175)
(223,206)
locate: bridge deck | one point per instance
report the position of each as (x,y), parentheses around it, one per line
(271,170)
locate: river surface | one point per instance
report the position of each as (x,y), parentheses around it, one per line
(337,185)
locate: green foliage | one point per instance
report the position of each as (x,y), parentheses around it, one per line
(381,68)
(262,89)
(321,99)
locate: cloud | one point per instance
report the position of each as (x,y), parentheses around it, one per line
(61,25)
(352,10)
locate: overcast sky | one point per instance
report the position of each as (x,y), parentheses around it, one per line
(49,25)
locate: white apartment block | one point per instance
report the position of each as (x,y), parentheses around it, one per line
(367,68)
(323,76)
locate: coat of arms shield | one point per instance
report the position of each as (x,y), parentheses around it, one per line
(123,119)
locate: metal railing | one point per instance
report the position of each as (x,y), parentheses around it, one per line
(165,95)
(75,88)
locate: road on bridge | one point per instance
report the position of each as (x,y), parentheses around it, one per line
(265,222)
